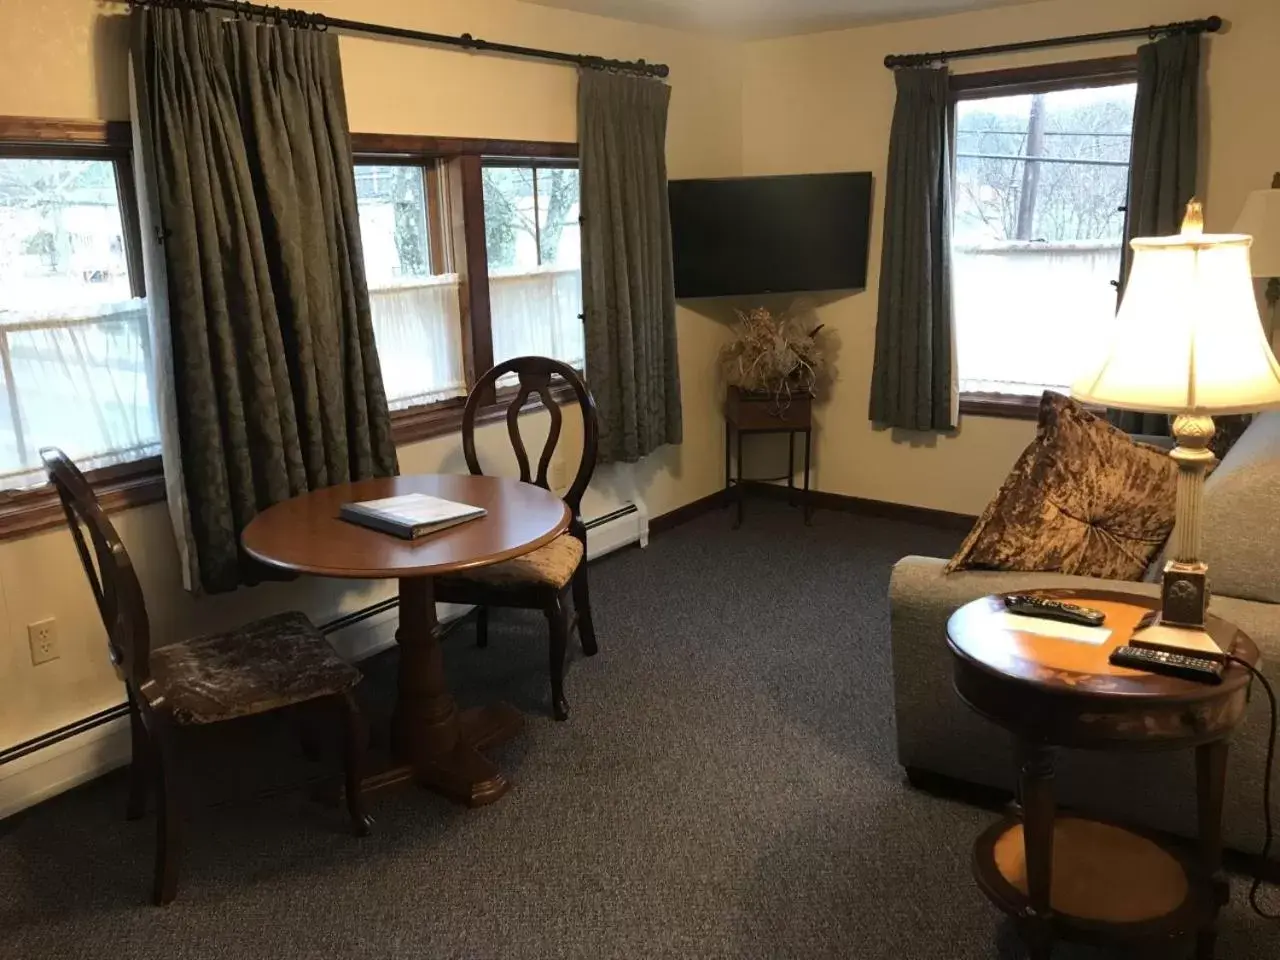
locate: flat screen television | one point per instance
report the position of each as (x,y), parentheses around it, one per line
(755,235)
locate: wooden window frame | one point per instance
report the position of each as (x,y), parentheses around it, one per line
(457,209)
(1045,78)
(140,482)
(124,485)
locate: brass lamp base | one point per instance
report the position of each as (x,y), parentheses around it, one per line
(1184,594)
(1184,603)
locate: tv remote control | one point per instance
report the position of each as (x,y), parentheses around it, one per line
(1033,606)
(1200,669)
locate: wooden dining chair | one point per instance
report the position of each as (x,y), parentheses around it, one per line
(541,580)
(272,663)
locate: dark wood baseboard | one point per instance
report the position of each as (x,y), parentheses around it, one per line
(682,515)
(821,501)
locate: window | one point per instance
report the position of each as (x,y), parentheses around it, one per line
(1040,185)
(534,249)
(472,254)
(75,354)
(413,295)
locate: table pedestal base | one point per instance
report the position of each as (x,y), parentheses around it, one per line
(437,745)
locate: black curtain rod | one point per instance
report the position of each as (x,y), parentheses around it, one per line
(1208,25)
(318,21)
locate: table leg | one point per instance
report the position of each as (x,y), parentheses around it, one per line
(440,743)
(808,450)
(791,469)
(728,459)
(1035,788)
(742,490)
(1211,779)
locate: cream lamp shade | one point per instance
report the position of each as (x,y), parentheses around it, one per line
(1261,220)
(1188,338)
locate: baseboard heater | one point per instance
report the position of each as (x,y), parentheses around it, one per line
(60,759)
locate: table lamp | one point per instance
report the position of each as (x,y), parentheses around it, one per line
(1261,220)
(1187,341)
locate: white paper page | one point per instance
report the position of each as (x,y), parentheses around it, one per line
(1057,629)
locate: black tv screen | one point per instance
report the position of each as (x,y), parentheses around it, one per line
(754,235)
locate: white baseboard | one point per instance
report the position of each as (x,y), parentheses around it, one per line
(63,765)
(84,756)
(628,525)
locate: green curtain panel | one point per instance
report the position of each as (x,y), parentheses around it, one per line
(628,287)
(270,382)
(1163,164)
(913,380)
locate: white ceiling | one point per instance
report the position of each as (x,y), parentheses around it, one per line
(768,17)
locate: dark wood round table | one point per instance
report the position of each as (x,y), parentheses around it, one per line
(1068,877)
(438,745)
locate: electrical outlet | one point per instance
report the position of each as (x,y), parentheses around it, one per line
(43,637)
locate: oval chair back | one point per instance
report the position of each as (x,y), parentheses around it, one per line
(535,376)
(107,566)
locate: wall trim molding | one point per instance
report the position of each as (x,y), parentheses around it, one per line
(883,509)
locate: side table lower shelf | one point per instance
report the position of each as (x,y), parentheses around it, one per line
(1108,883)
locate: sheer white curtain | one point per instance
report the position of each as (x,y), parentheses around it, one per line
(537,312)
(80,380)
(418,326)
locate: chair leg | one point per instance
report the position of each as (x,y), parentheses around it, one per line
(355,741)
(139,763)
(482,627)
(168,814)
(558,624)
(582,605)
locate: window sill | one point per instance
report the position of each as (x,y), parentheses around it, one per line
(439,419)
(129,485)
(24,512)
(1006,406)
(1010,406)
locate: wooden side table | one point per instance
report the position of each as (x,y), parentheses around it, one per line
(746,413)
(1068,877)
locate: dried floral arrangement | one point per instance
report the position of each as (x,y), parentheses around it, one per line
(775,353)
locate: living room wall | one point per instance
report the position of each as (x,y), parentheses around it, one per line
(824,102)
(67,58)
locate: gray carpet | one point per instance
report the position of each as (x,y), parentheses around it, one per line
(725,787)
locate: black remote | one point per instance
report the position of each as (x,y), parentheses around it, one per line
(1200,669)
(1030,605)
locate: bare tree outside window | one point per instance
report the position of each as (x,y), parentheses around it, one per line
(1044,167)
(534,247)
(526,212)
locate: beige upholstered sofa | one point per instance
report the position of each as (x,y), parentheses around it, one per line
(938,734)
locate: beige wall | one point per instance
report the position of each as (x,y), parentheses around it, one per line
(815,103)
(824,103)
(65,58)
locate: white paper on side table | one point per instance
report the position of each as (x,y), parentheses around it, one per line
(1057,629)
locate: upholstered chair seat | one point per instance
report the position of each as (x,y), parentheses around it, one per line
(265,665)
(551,566)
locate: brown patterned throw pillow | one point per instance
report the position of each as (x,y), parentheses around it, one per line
(1083,498)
